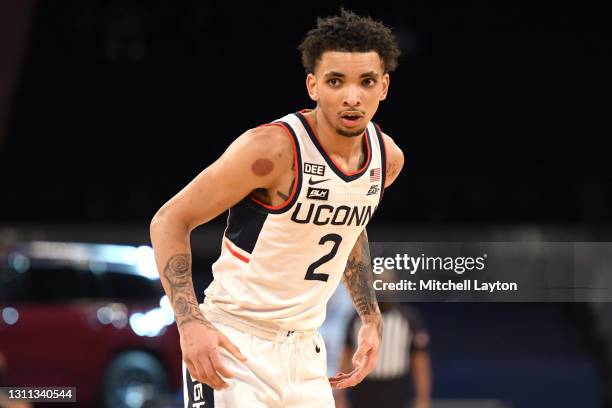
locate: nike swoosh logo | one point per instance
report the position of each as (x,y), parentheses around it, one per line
(313,182)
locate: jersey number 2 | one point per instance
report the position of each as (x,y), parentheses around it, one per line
(310,272)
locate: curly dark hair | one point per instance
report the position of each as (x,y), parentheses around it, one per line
(351,33)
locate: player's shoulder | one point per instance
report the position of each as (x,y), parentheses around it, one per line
(271,137)
(394,152)
(270,143)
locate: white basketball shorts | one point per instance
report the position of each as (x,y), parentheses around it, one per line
(288,372)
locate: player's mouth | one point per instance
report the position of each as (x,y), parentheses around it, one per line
(351,118)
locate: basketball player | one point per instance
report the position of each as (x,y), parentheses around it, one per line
(300,191)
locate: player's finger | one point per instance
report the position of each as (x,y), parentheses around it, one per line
(342,376)
(353,380)
(195,371)
(338,383)
(219,382)
(218,365)
(348,381)
(212,378)
(337,378)
(231,347)
(345,384)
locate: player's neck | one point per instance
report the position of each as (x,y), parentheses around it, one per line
(334,143)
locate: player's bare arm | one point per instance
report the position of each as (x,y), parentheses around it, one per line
(358,280)
(177,274)
(258,161)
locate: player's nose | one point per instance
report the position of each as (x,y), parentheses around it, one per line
(352,96)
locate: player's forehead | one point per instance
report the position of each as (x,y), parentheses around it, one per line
(350,64)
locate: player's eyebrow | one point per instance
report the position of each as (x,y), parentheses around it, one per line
(334,74)
(369,74)
(341,75)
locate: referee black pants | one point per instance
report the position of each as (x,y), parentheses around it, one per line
(392,393)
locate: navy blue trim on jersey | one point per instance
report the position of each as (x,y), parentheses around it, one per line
(244,224)
(198,393)
(328,160)
(298,187)
(383,159)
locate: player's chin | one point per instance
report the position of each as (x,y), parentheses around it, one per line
(349,131)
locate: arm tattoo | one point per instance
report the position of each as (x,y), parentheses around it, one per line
(358,280)
(286,196)
(283,195)
(178,275)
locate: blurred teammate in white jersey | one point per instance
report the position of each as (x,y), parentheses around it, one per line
(300,191)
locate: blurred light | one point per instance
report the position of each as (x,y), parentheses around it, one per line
(145,259)
(150,324)
(166,307)
(88,255)
(19,262)
(119,317)
(105,315)
(134,397)
(99,257)
(138,324)
(136,394)
(113,313)
(59,250)
(10,315)
(98,267)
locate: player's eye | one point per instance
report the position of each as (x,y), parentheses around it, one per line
(333,82)
(369,82)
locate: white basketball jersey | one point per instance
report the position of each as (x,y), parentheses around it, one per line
(280,265)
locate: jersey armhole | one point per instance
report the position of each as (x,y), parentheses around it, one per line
(297,185)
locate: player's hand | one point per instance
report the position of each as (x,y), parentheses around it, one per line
(364,359)
(200,346)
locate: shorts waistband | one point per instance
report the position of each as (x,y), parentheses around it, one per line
(263,331)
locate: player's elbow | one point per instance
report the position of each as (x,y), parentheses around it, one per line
(156,224)
(164,219)
(156,221)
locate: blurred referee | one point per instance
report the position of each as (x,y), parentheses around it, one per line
(403,355)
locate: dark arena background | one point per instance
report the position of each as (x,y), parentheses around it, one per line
(108,108)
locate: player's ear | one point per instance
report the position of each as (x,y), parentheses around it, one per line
(386,79)
(311,85)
